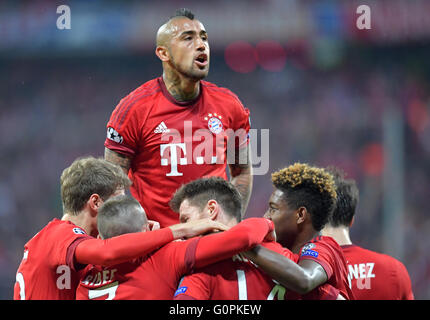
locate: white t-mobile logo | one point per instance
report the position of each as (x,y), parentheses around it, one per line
(173,157)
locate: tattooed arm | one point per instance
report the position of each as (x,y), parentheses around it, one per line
(241,175)
(117,158)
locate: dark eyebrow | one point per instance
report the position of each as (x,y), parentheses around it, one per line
(191,32)
(188,33)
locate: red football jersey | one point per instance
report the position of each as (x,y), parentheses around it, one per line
(326,251)
(172,143)
(240,279)
(150,278)
(47,270)
(233,279)
(376,276)
(157,276)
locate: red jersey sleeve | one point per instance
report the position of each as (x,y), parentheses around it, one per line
(63,237)
(198,252)
(243,126)
(45,257)
(194,287)
(404,282)
(241,237)
(122,137)
(241,123)
(127,121)
(318,252)
(121,248)
(176,258)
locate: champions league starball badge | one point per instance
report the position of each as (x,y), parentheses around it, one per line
(214,123)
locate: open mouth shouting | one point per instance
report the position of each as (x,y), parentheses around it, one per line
(202,60)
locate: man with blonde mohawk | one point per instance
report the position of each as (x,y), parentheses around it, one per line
(303,199)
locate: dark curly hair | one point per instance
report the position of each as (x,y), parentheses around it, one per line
(309,187)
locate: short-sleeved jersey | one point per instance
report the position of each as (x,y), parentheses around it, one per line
(47,270)
(327,252)
(172,143)
(233,279)
(376,276)
(154,277)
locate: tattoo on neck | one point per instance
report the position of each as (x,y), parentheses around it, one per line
(173,85)
(183,96)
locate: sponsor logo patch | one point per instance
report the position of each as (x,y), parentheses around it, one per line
(311,253)
(181,290)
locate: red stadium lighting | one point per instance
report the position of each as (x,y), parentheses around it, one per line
(241,57)
(271,55)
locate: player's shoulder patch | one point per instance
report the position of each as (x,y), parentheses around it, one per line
(181,290)
(308,250)
(308,246)
(78,231)
(113,135)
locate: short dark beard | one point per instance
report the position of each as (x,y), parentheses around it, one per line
(187,74)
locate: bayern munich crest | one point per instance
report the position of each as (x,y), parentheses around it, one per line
(214,123)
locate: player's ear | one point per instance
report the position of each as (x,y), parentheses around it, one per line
(301,215)
(213,209)
(94,203)
(162,53)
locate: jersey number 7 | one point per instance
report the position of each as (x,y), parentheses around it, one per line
(109,290)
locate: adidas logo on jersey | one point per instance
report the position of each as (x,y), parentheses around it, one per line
(161,128)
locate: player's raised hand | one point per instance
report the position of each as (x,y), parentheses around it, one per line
(196,227)
(153,225)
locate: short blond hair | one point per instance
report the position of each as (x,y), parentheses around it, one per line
(87,176)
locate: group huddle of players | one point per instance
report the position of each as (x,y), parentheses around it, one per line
(157,218)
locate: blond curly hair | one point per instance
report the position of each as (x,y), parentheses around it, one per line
(308,186)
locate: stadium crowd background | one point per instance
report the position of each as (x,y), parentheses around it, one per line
(325,90)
